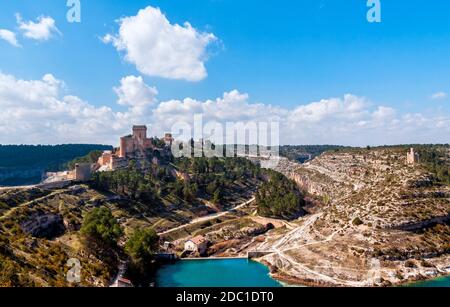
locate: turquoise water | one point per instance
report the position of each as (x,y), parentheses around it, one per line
(215,273)
(438,282)
(234,273)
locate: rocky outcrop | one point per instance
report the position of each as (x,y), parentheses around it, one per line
(419,226)
(404,215)
(44,225)
(257,230)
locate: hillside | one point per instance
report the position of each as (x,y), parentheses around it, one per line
(40,229)
(370,219)
(302,153)
(381,221)
(25,164)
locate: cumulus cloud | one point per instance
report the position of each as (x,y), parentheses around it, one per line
(159,48)
(41,111)
(42,30)
(350,120)
(439,96)
(349,107)
(9,36)
(134,93)
(233,106)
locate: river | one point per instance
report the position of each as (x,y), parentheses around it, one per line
(215,273)
(234,273)
(438,282)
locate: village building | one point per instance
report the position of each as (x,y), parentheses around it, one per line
(123,282)
(196,244)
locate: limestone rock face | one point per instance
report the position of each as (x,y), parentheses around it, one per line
(379,221)
(44,225)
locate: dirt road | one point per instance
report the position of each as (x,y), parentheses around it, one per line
(208,218)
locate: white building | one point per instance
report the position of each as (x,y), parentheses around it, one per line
(196,244)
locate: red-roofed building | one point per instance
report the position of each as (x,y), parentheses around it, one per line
(196,244)
(124,283)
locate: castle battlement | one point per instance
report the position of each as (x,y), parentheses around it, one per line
(134,146)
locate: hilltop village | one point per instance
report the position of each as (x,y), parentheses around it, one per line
(135,147)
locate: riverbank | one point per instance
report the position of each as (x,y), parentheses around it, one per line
(437,281)
(291,281)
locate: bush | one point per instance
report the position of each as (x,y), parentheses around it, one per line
(357,221)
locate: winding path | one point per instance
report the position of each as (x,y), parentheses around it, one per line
(208,218)
(295,235)
(3,188)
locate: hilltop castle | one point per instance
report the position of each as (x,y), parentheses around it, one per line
(134,146)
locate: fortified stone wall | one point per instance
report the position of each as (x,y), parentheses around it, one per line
(83,171)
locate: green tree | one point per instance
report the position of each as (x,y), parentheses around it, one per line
(100,228)
(142,245)
(217,197)
(279,197)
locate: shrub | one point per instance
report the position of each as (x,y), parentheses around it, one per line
(410,264)
(357,221)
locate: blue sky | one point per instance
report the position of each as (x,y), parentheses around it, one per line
(282,53)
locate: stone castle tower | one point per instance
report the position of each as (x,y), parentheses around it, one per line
(135,144)
(412,157)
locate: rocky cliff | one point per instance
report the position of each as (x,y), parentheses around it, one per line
(382,221)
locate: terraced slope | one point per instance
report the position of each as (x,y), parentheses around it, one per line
(382,222)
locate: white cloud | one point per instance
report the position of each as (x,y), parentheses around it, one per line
(134,93)
(38,111)
(42,30)
(383,114)
(439,96)
(350,120)
(350,107)
(41,111)
(159,48)
(9,36)
(233,106)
